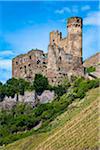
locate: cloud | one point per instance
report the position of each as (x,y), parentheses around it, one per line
(93,18)
(5,64)
(86,7)
(5,69)
(6,53)
(74,9)
(63,10)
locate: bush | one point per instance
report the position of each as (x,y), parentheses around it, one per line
(90,69)
(77,82)
(93,83)
(59,90)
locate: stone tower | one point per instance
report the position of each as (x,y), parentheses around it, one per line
(74,38)
(65,54)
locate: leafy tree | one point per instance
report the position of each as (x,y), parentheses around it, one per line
(40,83)
(2,92)
(16,86)
(1,84)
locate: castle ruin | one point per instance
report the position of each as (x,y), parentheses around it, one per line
(64,57)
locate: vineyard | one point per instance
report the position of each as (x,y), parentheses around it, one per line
(75,129)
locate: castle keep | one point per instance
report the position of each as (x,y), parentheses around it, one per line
(64,56)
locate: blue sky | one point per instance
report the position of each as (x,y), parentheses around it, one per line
(26,24)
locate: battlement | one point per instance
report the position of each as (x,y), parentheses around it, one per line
(73,20)
(55,37)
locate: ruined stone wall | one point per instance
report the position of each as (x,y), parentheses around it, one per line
(72,44)
(27,65)
(64,56)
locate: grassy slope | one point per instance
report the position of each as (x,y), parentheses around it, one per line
(77,128)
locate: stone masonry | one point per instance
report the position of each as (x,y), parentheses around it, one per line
(64,56)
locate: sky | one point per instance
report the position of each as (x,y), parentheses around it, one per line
(25,25)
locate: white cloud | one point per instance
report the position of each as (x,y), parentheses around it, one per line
(93,18)
(63,10)
(6,53)
(86,7)
(5,64)
(73,9)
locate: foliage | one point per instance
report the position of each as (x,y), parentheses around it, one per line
(40,83)
(90,69)
(59,90)
(82,86)
(14,86)
(24,118)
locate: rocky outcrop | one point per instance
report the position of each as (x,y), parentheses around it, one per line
(28,98)
(46,96)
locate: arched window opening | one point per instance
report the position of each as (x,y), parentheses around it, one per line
(30,57)
(25,69)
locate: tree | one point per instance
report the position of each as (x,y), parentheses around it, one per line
(1,84)
(2,92)
(40,83)
(16,86)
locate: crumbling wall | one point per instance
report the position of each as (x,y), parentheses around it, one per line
(27,65)
(64,56)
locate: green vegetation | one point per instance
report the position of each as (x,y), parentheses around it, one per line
(40,83)
(90,69)
(76,128)
(14,86)
(20,121)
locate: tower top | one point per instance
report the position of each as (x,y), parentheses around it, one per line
(76,21)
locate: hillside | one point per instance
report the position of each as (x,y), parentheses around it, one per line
(92,61)
(77,128)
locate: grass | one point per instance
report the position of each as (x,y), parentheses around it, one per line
(77,128)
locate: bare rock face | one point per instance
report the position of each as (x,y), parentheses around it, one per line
(46,96)
(7,104)
(27,98)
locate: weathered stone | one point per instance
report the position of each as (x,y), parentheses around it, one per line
(46,96)
(27,98)
(92,61)
(64,56)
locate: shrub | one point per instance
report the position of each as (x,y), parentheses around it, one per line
(59,90)
(90,69)
(93,83)
(77,82)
